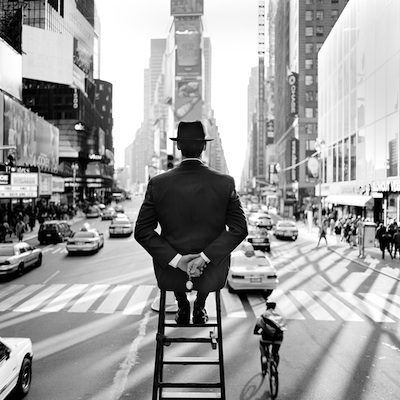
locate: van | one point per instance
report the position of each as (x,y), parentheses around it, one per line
(54,232)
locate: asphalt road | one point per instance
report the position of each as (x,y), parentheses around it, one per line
(93,328)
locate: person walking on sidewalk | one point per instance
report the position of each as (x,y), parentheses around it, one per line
(322,232)
(19,230)
(384,243)
(396,243)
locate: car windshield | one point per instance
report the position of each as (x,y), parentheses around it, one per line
(287,224)
(121,222)
(49,227)
(6,251)
(84,234)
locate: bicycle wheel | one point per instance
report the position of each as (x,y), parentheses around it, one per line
(273,379)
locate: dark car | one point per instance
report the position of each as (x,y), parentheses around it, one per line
(259,238)
(54,232)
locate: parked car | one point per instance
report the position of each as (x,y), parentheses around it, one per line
(120,227)
(54,231)
(17,256)
(251,270)
(286,229)
(259,238)
(16,356)
(86,240)
(262,220)
(108,213)
(93,212)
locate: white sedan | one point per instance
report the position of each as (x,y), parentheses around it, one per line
(17,256)
(16,356)
(86,240)
(120,227)
(251,270)
(286,229)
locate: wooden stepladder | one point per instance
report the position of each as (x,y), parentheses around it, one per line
(169,389)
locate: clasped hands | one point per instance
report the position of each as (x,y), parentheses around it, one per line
(192,264)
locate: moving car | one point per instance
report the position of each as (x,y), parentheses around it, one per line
(259,238)
(54,231)
(262,220)
(286,229)
(86,240)
(17,256)
(16,356)
(119,208)
(93,212)
(108,213)
(251,270)
(120,227)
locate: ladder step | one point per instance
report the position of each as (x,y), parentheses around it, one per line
(191,360)
(191,395)
(175,325)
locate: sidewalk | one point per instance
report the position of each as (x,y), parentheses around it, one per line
(372,255)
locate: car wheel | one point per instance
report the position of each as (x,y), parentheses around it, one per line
(39,261)
(20,269)
(25,377)
(268,249)
(294,238)
(230,289)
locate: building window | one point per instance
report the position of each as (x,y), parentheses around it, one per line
(309,80)
(309,31)
(309,48)
(319,15)
(309,129)
(309,63)
(309,112)
(319,31)
(318,46)
(309,15)
(309,96)
(335,14)
(335,1)
(309,1)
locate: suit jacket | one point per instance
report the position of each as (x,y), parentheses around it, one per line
(197,210)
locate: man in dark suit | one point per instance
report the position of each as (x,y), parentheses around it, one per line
(201,220)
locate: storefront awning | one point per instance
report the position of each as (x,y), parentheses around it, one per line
(348,200)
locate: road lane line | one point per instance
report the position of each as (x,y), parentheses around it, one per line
(382,303)
(64,298)
(16,298)
(5,292)
(311,306)
(344,312)
(51,277)
(374,313)
(138,301)
(285,305)
(112,301)
(38,299)
(85,302)
(394,297)
(233,305)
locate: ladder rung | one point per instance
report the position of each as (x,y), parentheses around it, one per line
(191,395)
(191,360)
(175,325)
(189,340)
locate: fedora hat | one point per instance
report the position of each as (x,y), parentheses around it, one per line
(191,131)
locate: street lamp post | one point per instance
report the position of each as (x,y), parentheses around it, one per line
(74,167)
(319,147)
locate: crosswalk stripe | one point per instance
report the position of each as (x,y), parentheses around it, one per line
(86,301)
(19,296)
(344,312)
(394,297)
(374,313)
(38,299)
(319,313)
(111,302)
(285,305)
(382,303)
(5,292)
(64,298)
(233,305)
(138,301)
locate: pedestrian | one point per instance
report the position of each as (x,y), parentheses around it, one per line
(201,222)
(322,232)
(338,230)
(19,230)
(384,243)
(378,233)
(396,243)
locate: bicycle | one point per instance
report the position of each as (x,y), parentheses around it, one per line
(270,325)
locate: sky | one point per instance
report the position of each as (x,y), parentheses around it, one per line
(127,26)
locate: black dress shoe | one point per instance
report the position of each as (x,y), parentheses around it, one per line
(182,316)
(200,316)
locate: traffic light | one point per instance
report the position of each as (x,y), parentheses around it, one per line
(170,161)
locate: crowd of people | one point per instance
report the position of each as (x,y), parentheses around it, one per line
(388,238)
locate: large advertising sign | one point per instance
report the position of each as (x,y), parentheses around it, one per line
(187,7)
(10,70)
(188,46)
(18,185)
(188,104)
(35,139)
(294,93)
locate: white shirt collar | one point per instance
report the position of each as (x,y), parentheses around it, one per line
(192,159)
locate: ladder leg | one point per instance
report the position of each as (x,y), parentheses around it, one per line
(159,348)
(220,344)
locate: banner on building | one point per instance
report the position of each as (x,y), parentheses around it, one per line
(293,79)
(188,103)
(294,157)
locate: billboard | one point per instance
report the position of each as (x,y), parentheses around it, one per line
(188,46)
(188,103)
(10,70)
(293,79)
(187,7)
(35,139)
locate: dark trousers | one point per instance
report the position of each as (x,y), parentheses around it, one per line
(396,248)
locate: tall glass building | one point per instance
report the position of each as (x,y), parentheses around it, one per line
(358,116)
